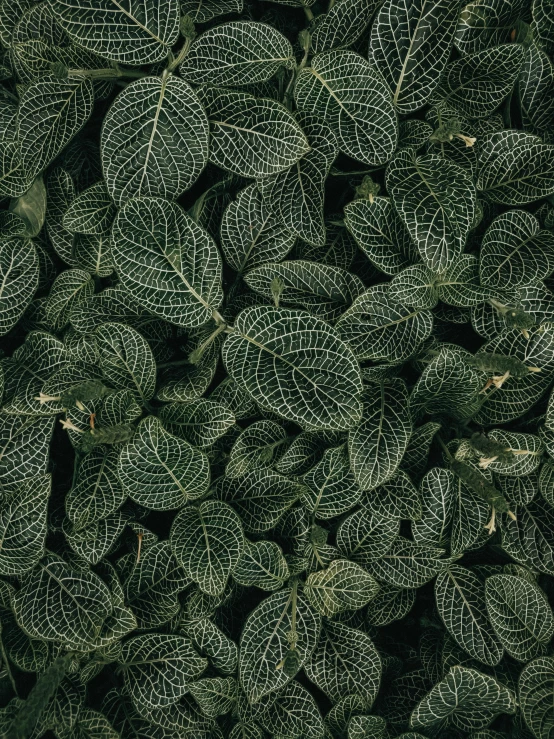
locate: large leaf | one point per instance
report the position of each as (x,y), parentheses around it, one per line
(50,113)
(515,168)
(515,251)
(252,137)
(350,96)
(161,471)
(342,586)
(264,642)
(80,600)
(19,276)
(536,684)
(237,53)
(460,597)
(345,662)
(295,365)
(476,84)
(159,668)
(379,328)
(377,444)
(154,140)
(520,614)
(23,524)
(342,25)
(436,201)
(141,33)
(207,541)
(166,261)
(467,697)
(410,44)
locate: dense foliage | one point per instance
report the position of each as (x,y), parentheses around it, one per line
(277,320)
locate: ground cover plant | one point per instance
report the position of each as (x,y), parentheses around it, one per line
(277,334)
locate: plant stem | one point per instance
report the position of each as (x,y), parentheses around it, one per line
(331,3)
(109,73)
(180,56)
(309,14)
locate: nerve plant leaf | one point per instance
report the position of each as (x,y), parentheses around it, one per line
(166,261)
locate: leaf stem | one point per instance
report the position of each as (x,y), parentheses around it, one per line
(309,14)
(331,3)
(109,73)
(174,63)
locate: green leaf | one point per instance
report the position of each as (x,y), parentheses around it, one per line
(153,586)
(255,447)
(207,541)
(154,140)
(237,53)
(142,34)
(438,497)
(331,487)
(376,446)
(526,453)
(252,233)
(69,289)
(19,277)
(211,641)
(23,524)
(379,328)
(342,586)
(91,212)
(322,290)
(31,208)
(161,471)
(50,113)
(436,200)
(415,287)
(152,237)
(126,360)
(536,88)
(261,497)
(264,642)
(297,193)
(408,565)
(312,379)
(24,447)
(396,498)
(520,615)
(391,604)
(476,84)
(515,168)
(343,89)
(345,662)
(342,25)
(97,540)
(467,697)
(202,11)
(200,422)
(15,180)
(380,234)
(262,565)
(364,537)
(294,710)
(536,683)
(460,598)
(214,695)
(159,668)
(61,192)
(481,26)
(515,251)
(252,137)
(82,604)
(410,44)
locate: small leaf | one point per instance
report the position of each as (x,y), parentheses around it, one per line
(208,541)
(536,683)
(342,586)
